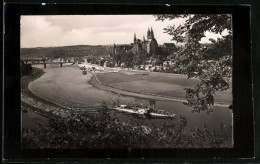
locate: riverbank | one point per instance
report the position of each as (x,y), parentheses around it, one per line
(36,110)
(30,118)
(97,83)
(25,80)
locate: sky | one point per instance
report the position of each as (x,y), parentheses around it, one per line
(66,30)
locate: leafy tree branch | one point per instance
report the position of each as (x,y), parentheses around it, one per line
(211,63)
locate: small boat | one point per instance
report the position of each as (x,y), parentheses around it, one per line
(144,111)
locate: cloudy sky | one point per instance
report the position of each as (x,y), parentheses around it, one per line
(50,31)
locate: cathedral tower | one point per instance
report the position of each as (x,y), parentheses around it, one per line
(148,33)
(152,35)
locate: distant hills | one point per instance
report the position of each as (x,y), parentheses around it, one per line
(66,51)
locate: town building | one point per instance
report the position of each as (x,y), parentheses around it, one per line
(148,45)
(170,47)
(121,48)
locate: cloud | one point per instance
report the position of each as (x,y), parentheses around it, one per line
(44,31)
(64,30)
(36,31)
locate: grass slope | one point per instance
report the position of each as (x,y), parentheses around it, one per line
(156,83)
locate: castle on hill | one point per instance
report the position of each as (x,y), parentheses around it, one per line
(148,45)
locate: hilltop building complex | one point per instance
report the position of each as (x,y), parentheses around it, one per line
(148,45)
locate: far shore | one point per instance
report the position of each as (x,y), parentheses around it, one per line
(95,82)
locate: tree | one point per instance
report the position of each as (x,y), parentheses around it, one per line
(140,57)
(102,130)
(128,59)
(118,58)
(211,64)
(94,60)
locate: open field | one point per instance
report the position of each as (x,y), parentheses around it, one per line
(163,84)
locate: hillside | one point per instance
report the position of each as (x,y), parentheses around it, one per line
(66,51)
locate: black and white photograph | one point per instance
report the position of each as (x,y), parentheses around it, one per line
(126,81)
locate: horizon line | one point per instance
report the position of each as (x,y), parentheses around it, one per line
(91,45)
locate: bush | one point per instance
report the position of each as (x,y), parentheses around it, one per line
(102,130)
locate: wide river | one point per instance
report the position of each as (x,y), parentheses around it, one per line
(68,87)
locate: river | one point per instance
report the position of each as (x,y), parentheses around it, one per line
(68,87)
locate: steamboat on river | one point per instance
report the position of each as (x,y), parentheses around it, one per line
(140,110)
(148,111)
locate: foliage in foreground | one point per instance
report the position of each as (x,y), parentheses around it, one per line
(211,64)
(101,130)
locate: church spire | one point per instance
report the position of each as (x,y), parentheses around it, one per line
(134,38)
(148,33)
(152,35)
